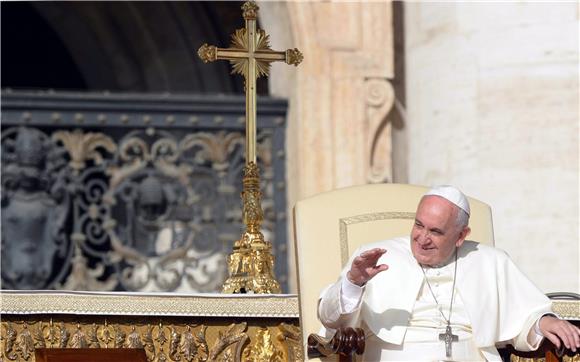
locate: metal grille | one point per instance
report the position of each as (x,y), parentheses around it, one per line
(132,192)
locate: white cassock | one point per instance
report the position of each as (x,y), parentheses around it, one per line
(494,303)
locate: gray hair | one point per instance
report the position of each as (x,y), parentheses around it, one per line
(462,219)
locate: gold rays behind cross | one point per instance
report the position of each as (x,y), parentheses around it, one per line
(241,55)
(251,263)
(250,55)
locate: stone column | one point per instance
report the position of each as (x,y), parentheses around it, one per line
(340,96)
(492,106)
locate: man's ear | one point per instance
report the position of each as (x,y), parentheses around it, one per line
(466,230)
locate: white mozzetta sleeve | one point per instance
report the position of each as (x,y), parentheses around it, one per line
(350,296)
(535,336)
(331,311)
(531,337)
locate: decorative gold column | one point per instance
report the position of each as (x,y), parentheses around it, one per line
(251,263)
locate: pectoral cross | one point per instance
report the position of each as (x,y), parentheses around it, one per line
(448,337)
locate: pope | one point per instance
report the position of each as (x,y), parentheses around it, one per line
(437,296)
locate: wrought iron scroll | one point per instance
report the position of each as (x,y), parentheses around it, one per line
(131,193)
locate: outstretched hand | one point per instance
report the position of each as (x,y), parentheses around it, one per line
(560,331)
(364,267)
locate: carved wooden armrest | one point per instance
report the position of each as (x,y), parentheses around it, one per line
(345,342)
(547,352)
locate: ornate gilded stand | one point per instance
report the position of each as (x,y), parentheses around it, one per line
(202,327)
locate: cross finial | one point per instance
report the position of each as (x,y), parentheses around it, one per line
(250,10)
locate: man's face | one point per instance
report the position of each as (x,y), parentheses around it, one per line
(435,235)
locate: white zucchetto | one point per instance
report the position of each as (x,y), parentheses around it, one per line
(452,195)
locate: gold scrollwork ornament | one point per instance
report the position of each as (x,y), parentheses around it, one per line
(290,336)
(79,339)
(263,349)
(133,339)
(207,53)
(25,343)
(251,262)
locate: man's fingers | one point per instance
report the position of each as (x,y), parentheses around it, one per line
(576,336)
(369,257)
(377,269)
(364,266)
(553,338)
(565,339)
(562,333)
(573,336)
(373,253)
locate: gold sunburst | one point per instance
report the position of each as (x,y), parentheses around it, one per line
(240,41)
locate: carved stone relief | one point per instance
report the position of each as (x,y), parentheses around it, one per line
(35,206)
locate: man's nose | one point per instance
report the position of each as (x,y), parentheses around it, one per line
(423,237)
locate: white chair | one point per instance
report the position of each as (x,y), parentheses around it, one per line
(328,227)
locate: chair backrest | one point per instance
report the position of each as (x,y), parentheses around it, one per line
(330,226)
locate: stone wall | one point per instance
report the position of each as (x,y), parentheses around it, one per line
(492,102)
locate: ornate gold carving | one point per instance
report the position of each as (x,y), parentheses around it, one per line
(148,340)
(84,146)
(263,349)
(25,343)
(106,337)
(344,222)
(290,336)
(250,10)
(9,342)
(207,53)
(79,339)
(160,337)
(52,338)
(294,57)
(174,341)
(194,347)
(240,41)
(514,358)
(39,337)
(251,198)
(93,337)
(233,342)
(133,339)
(234,336)
(119,337)
(63,336)
(251,263)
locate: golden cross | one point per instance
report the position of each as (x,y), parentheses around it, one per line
(250,55)
(251,263)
